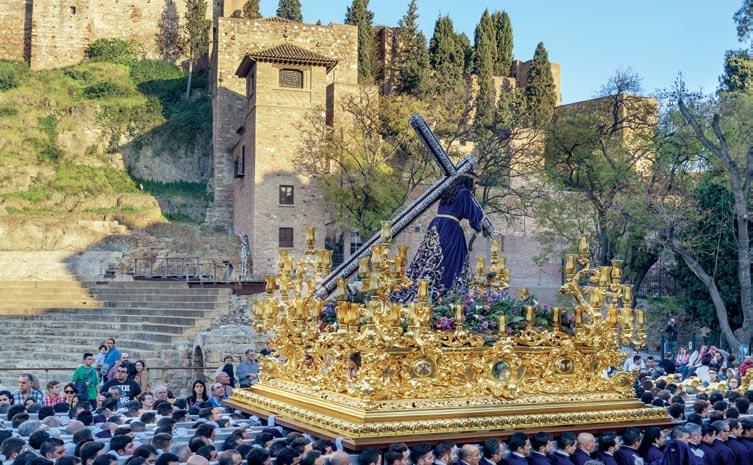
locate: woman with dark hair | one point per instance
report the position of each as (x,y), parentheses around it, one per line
(142,375)
(442,257)
(198,395)
(70,395)
(651,446)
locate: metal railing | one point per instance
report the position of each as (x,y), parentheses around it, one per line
(182,269)
(156,374)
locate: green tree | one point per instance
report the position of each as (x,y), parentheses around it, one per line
(366,169)
(196,41)
(594,159)
(290,9)
(414,58)
(358,14)
(251,9)
(738,71)
(484,45)
(465,43)
(503,29)
(484,56)
(540,89)
(447,56)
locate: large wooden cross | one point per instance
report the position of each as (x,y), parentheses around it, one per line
(414,210)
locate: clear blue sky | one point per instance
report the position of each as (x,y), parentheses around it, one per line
(590,39)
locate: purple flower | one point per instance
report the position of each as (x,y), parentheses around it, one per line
(485,324)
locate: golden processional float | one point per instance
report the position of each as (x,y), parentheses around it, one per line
(385,370)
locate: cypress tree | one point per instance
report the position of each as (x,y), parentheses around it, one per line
(465,44)
(251,9)
(540,91)
(485,43)
(414,60)
(358,14)
(290,9)
(446,55)
(484,56)
(197,28)
(503,34)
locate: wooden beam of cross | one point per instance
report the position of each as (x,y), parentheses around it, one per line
(413,211)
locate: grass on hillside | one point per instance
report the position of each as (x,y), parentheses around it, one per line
(141,99)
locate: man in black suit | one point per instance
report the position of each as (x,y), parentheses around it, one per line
(627,454)
(747,438)
(586,445)
(739,451)
(493,450)
(444,453)
(724,455)
(541,445)
(421,454)
(469,455)
(565,449)
(607,447)
(520,448)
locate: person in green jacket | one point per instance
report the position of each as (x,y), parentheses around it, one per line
(86,374)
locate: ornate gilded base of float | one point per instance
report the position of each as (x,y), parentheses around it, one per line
(363,423)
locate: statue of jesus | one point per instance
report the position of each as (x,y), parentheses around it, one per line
(442,257)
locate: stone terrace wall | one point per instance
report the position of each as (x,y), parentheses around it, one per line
(63,30)
(235,38)
(15,29)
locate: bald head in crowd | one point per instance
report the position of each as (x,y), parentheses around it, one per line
(339,458)
(197,460)
(587,442)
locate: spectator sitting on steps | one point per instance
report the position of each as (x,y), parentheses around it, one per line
(25,391)
(127,387)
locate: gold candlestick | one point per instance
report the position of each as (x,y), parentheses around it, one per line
(583,247)
(341,290)
(269,284)
(310,237)
(363,267)
(480,262)
(627,294)
(494,246)
(502,324)
(376,255)
(570,264)
(616,271)
(530,315)
(604,272)
(423,290)
(556,317)
(640,316)
(523,293)
(386,234)
(579,316)
(458,316)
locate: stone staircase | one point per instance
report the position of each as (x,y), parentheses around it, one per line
(30,297)
(148,319)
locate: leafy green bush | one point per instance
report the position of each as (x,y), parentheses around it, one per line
(51,153)
(11,74)
(33,195)
(154,70)
(105,89)
(111,50)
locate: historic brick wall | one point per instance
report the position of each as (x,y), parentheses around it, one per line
(63,30)
(235,38)
(15,29)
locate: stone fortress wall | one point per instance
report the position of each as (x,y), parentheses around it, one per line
(53,34)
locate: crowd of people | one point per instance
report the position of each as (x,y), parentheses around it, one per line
(110,414)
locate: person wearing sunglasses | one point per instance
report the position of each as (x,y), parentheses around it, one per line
(86,379)
(127,387)
(70,395)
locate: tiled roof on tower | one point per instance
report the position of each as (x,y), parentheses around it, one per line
(284,53)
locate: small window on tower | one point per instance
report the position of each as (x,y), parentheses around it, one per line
(73,10)
(286,195)
(291,78)
(286,237)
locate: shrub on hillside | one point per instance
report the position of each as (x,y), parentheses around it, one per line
(154,70)
(111,50)
(10,75)
(105,89)
(71,178)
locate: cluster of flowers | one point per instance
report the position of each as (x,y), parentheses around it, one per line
(481,312)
